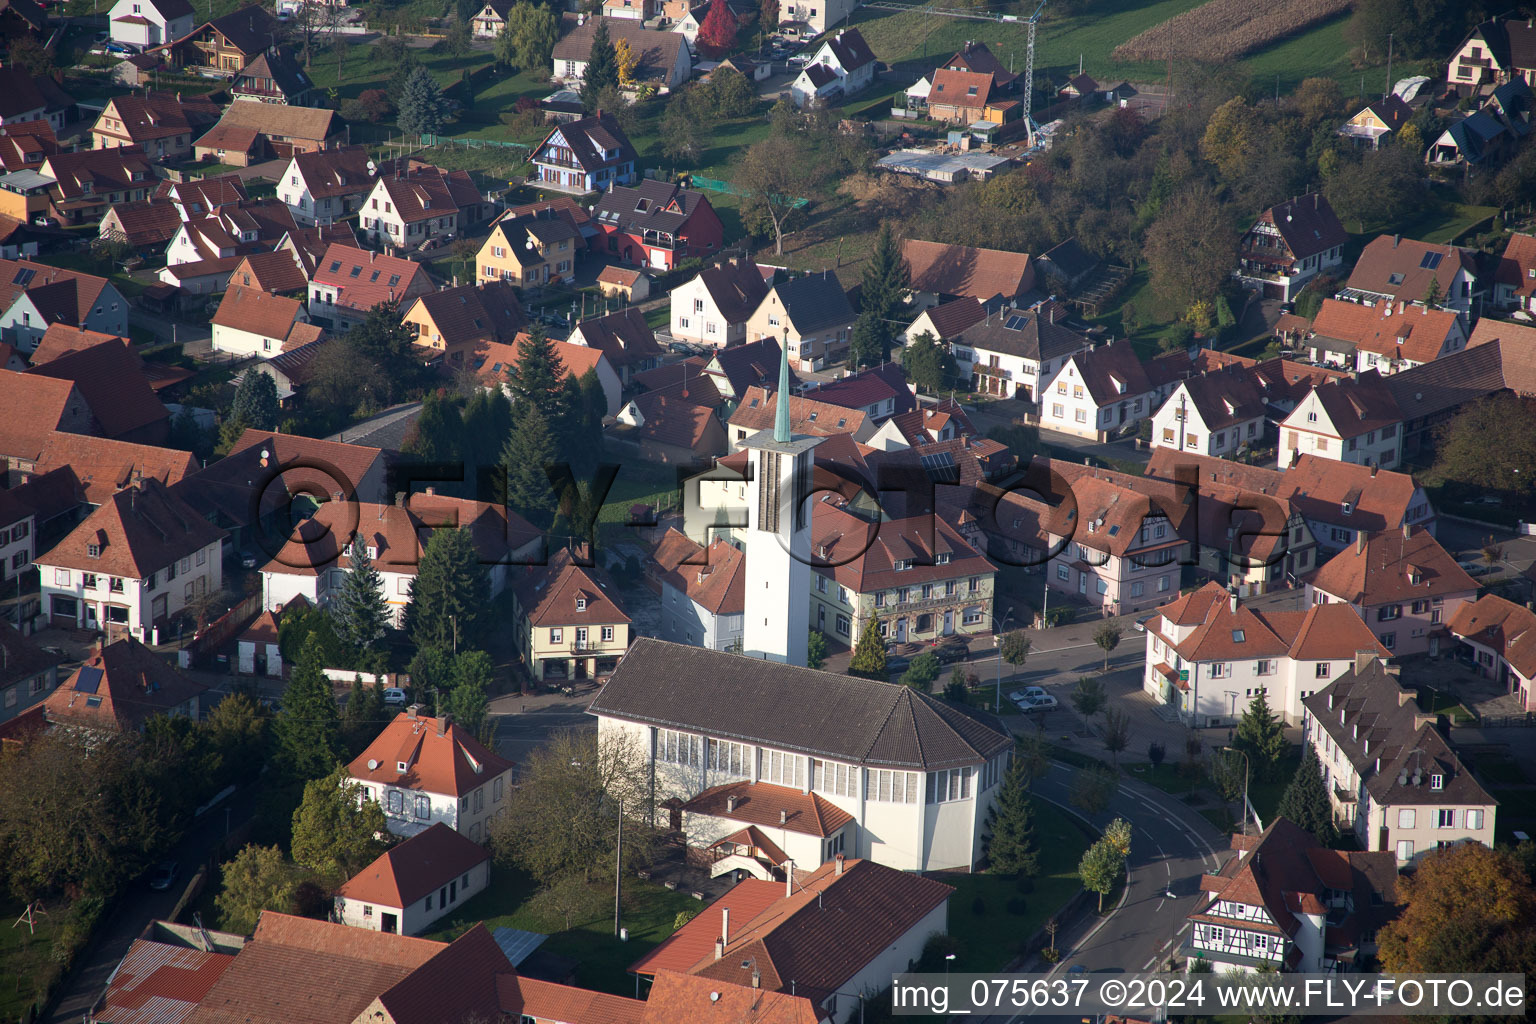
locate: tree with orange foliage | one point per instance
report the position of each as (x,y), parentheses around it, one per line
(717,36)
(1465,908)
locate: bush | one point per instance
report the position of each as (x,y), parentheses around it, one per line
(682,918)
(1061,615)
(1017,906)
(935,950)
(979,907)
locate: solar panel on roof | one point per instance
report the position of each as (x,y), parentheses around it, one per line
(1015,323)
(88,681)
(24,275)
(941,467)
(1430,261)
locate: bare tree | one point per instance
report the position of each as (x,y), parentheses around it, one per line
(1115,731)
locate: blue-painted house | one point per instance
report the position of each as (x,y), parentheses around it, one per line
(587,155)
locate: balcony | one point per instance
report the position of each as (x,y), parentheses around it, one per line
(922,604)
(590,646)
(552,161)
(1474,62)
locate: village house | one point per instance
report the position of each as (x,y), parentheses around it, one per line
(1404,585)
(677,425)
(762,925)
(703,591)
(121,685)
(586,155)
(1514,285)
(658,225)
(348,282)
(530,251)
(940,272)
(28,674)
(451,323)
(842,65)
(18,534)
(36,295)
(144,24)
(253,131)
(24,144)
(569,622)
(321,187)
(665,61)
(420,206)
(146,225)
(807,19)
(249,322)
(1344,420)
(1498,51)
(423,771)
(230,232)
(1097,392)
(934,423)
(491,19)
(198,198)
(946,323)
(110,378)
(1392,779)
(274,77)
(1217,413)
(633,10)
(415,882)
(1428,396)
(1377,121)
(293,367)
(85,183)
(907,779)
(917,577)
(1290,244)
(878,392)
(46,405)
(1501,637)
(257,651)
(279,272)
(624,338)
(161,124)
(759,406)
(1392,269)
(221,47)
(735,369)
(316,557)
(1011,352)
(970,97)
(1209,655)
(627,284)
(713,308)
(102,466)
(139,559)
(811,314)
(1288,904)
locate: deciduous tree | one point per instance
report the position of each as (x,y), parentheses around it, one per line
(717,35)
(1465,908)
(1490,445)
(1188,250)
(334,828)
(1010,825)
(929,364)
(1115,730)
(528,39)
(1093,788)
(1100,869)
(1106,638)
(774,173)
(1088,696)
(627,61)
(257,878)
(815,649)
(922,671)
(868,661)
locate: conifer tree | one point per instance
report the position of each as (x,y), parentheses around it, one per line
(362,615)
(868,660)
(602,70)
(530,448)
(1261,736)
(423,109)
(537,374)
(886,276)
(1305,801)
(307,728)
(487,423)
(449,597)
(1011,823)
(439,430)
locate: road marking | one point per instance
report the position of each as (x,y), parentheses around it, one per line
(1148,964)
(1165,866)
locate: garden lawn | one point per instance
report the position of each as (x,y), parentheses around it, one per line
(639,482)
(25,963)
(650,913)
(1265,796)
(1165,777)
(991,937)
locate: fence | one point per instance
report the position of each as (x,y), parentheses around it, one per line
(446,140)
(223,628)
(716,185)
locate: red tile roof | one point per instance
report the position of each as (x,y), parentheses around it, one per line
(117,688)
(336,172)
(377,278)
(1414,333)
(1517,267)
(1324,632)
(1407,269)
(257,312)
(471,312)
(806,416)
(62,339)
(716,580)
(676,997)
(410,869)
(448,762)
(624,337)
(427,192)
(138,531)
(158,983)
(111,380)
(961,270)
(548,1001)
(548,595)
(1382,569)
(64,296)
(277,271)
(1508,628)
(766,804)
(862,555)
(104,466)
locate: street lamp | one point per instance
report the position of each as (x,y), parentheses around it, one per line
(997,637)
(948,957)
(1246,769)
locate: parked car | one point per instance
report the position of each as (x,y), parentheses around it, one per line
(1030,705)
(164,875)
(951,652)
(394,695)
(1028,693)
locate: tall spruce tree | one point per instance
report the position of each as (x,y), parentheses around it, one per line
(307,729)
(255,404)
(439,431)
(530,448)
(602,70)
(1011,822)
(1261,736)
(449,597)
(487,423)
(886,276)
(1306,799)
(423,109)
(868,660)
(538,372)
(362,614)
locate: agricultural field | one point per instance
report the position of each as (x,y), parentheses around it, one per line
(1226,29)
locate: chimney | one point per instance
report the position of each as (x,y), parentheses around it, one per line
(442,723)
(719,949)
(837,868)
(783,817)
(1421,720)
(725,926)
(1404,696)
(730,804)
(1374,467)
(1407,530)
(1232,603)
(757,978)
(1363,659)
(1360,542)
(789,878)
(413,711)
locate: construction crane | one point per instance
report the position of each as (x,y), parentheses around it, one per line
(1029,75)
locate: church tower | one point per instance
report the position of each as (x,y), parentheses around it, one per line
(777,618)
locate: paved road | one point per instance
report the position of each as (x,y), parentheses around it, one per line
(140,905)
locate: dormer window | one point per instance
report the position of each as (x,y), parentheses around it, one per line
(581,604)
(1346,508)
(1437,782)
(401,767)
